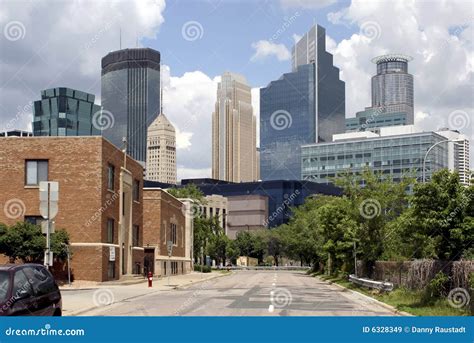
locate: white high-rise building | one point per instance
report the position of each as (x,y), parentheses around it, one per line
(458,153)
(161,151)
(234,136)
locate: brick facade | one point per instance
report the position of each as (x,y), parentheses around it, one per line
(80,165)
(160,212)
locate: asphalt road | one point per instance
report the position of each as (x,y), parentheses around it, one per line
(250,293)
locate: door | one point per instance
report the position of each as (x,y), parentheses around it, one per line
(149,261)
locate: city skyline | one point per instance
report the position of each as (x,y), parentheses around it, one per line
(355,37)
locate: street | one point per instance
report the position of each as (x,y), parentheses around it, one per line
(244,293)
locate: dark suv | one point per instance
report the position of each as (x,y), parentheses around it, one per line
(28,290)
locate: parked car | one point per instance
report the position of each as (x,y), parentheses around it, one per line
(28,290)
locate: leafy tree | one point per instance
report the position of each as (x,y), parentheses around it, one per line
(25,241)
(189,191)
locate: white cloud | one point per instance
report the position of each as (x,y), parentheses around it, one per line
(310,4)
(296,37)
(264,48)
(188,102)
(439,37)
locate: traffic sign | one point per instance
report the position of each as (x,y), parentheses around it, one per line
(49,196)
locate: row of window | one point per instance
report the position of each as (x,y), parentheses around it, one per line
(111,233)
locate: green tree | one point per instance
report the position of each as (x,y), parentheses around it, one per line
(25,241)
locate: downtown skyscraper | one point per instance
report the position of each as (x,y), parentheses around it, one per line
(131,97)
(304,106)
(234,142)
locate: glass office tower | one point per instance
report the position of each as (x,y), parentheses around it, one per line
(65,112)
(302,107)
(131,95)
(392,87)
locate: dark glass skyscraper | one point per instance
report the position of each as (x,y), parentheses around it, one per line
(65,112)
(131,96)
(302,107)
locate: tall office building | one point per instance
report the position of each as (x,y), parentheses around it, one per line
(392,96)
(234,136)
(131,95)
(66,112)
(161,151)
(302,107)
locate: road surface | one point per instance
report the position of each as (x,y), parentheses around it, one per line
(250,293)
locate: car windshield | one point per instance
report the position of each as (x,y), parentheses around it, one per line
(4,285)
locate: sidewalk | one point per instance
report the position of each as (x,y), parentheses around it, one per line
(86,296)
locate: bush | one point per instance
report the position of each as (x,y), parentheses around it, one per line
(205,269)
(435,289)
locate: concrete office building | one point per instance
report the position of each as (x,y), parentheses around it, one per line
(234,142)
(161,151)
(246,213)
(66,112)
(100,200)
(131,96)
(302,107)
(394,151)
(215,206)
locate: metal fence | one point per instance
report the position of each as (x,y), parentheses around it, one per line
(384,286)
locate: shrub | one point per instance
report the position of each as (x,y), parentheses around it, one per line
(435,289)
(205,269)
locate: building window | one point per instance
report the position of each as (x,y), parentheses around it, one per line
(174,236)
(35,220)
(110,177)
(135,235)
(36,171)
(111,270)
(110,230)
(136,190)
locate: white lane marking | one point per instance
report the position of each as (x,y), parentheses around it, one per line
(271,308)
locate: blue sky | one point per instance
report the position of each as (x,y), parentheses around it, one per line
(49,44)
(229,29)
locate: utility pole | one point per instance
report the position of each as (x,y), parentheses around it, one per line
(48,196)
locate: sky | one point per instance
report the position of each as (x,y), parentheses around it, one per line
(46,44)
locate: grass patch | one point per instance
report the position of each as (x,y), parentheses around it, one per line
(403,299)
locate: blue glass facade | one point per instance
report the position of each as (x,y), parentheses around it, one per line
(279,193)
(393,156)
(373,118)
(131,95)
(302,107)
(65,112)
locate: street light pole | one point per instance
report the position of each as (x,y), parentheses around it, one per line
(428,151)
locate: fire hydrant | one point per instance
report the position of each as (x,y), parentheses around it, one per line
(150,279)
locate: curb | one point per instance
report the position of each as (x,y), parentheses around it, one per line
(200,281)
(387,306)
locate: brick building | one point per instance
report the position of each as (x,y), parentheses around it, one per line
(165,219)
(100,199)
